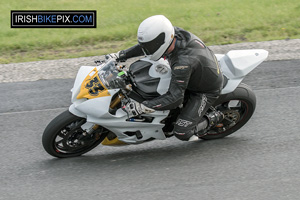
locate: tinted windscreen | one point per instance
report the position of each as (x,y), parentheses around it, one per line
(109,76)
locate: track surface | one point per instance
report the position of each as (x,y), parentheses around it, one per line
(260,161)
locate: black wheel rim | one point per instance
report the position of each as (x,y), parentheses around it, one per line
(71,139)
(234,112)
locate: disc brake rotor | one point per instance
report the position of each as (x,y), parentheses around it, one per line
(231,117)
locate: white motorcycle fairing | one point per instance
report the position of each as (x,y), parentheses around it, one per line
(96,110)
(235,65)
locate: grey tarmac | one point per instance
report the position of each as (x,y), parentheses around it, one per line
(260,161)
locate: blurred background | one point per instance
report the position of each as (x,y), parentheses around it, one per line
(214,21)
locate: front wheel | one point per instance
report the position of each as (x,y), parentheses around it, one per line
(237,107)
(64,137)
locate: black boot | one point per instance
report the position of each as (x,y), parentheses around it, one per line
(201,128)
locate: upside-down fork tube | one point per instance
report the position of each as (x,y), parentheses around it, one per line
(116,101)
(115,141)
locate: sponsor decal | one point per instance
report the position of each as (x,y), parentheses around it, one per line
(53,19)
(183,122)
(162,69)
(202,105)
(180,67)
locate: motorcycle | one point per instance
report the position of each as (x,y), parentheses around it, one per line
(96,115)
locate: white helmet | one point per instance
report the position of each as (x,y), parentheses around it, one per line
(155,34)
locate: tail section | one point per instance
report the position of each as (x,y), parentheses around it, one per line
(236,64)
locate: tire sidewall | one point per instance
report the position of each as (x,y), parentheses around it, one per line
(52,130)
(243,93)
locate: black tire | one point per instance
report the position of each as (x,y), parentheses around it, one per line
(247,100)
(68,127)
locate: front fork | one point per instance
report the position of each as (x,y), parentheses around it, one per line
(116,101)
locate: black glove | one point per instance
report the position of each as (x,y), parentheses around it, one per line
(122,56)
(119,56)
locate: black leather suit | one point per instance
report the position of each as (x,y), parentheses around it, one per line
(195,76)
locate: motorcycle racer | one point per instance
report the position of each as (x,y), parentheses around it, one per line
(196,77)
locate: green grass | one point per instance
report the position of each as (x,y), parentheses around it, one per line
(214,21)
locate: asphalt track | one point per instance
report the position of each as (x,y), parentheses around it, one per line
(260,161)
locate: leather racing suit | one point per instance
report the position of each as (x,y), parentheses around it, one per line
(196,77)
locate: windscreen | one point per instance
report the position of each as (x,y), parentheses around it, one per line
(109,76)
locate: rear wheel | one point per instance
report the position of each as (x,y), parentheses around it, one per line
(237,107)
(64,137)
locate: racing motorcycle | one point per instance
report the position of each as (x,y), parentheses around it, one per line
(97,115)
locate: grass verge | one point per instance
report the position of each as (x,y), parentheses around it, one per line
(214,21)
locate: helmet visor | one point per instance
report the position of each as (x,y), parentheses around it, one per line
(152,46)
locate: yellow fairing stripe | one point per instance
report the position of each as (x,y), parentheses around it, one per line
(92,86)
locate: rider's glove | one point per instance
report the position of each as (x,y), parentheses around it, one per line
(119,56)
(134,108)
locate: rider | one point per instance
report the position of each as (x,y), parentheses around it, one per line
(195,75)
